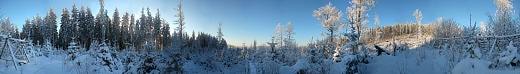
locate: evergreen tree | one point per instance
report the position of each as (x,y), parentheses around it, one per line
(14,31)
(137,37)
(165,33)
(89,28)
(124,31)
(75,22)
(141,32)
(132,30)
(114,30)
(157,30)
(102,22)
(26,29)
(221,42)
(149,27)
(36,28)
(63,34)
(50,28)
(181,25)
(7,27)
(219,32)
(82,37)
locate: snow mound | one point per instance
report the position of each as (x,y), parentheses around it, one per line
(509,55)
(476,66)
(300,65)
(470,66)
(343,66)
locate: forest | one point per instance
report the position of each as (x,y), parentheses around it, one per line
(126,43)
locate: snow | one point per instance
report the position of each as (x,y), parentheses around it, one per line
(341,67)
(300,65)
(252,68)
(407,63)
(417,57)
(470,66)
(509,55)
(476,66)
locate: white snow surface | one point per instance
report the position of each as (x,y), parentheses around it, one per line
(476,66)
(407,61)
(300,65)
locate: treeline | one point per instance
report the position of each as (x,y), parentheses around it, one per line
(377,33)
(8,28)
(146,32)
(81,26)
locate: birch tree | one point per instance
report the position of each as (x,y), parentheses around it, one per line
(502,22)
(418,17)
(330,19)
(356,13)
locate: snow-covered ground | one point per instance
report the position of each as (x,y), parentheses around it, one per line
(38,65)
(417,57)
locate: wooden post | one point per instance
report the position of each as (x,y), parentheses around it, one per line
(5,43)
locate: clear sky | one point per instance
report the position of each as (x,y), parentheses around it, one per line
(247,20)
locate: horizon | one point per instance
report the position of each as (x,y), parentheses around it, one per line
(247,20)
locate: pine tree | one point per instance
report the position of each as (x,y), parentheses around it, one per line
(64,29)
(132,30)
(219,32)
(137,37)
(114,30)
(26,29)
(181,25)
(50,20)
(141,32)
(89,28)
(157,30)
(254,44)
(6,27)
(82,36)
(37,35)
(124,31)
(221,42)
(14,31)
(191,41)
(165,33)
(75,22)
(102,21)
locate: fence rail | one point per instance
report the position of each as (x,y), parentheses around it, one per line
(486,43)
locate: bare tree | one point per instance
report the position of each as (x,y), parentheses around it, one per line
(502,22)
(418,17)
(378,29)
(181,25)
(330,17)
(356,14)
(289,40)
(279,34)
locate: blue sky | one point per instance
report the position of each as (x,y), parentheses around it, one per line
(247,20)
